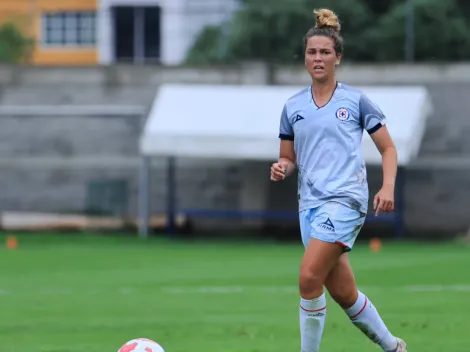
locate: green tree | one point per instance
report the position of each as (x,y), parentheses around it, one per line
(441,32)
(274,31)
(14,46)
(379,8)
(207,47)
(373,31)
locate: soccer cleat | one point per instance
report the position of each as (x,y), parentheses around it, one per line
(401,347)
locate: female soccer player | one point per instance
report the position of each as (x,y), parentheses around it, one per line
(321,129)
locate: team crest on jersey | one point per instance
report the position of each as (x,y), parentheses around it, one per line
(342,114)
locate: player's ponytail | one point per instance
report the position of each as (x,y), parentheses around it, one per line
(327,19)
(327,25)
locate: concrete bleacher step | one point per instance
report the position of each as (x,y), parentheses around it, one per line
(448,127)
(76,94)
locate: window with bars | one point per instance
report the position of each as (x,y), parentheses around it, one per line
(69,29)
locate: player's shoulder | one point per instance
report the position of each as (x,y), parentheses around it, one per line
(298,98)
(350,91)
(355,96)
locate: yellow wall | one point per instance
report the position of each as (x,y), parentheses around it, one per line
(28,13)
(17,11)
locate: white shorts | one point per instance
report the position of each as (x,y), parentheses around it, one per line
(331,222)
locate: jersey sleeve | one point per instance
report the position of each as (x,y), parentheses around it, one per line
(372,118)
(286,131)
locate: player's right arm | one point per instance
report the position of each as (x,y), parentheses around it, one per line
(287,159)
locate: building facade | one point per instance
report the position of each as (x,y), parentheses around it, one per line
(161,31)
(64,31)
(91,32)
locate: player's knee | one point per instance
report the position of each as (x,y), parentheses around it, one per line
(310,284)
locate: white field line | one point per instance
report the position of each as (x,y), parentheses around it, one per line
(293,289)
(218,290)
(438,288)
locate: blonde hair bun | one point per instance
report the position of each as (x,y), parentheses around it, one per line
(327,19)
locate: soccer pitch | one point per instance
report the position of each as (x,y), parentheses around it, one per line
(76,294)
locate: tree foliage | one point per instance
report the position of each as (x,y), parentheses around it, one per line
(441,32)
(14,46)
(373,31)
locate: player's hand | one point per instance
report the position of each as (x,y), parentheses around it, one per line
(278,171)
(384,200)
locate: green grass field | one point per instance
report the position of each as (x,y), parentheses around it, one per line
(64,294)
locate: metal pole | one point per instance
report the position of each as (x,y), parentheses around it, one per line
(32,15)
(139,35)
(224,38)
(32,28)
(225,29)
(144,189)
(409,31)
(400,203)
(171,196)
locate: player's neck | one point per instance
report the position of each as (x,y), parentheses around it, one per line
(323,92)
(324,89)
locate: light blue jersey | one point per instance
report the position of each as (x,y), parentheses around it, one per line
(327,143)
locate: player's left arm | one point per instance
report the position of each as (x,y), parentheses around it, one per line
(385,200)
(374,122)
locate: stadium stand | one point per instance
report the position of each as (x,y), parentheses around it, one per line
(242,123)
(54,169)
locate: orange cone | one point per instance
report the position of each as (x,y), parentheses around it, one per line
(375,244)
(11,242)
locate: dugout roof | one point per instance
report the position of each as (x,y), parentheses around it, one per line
(242,122)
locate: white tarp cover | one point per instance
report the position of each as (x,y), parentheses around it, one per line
(242,122)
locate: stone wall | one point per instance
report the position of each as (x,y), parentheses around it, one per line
(49,162)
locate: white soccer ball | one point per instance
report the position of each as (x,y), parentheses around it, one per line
(141,345)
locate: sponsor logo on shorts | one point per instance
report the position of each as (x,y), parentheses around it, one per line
(327,225)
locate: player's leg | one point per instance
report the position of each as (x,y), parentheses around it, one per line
(341,285)
(318,259)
